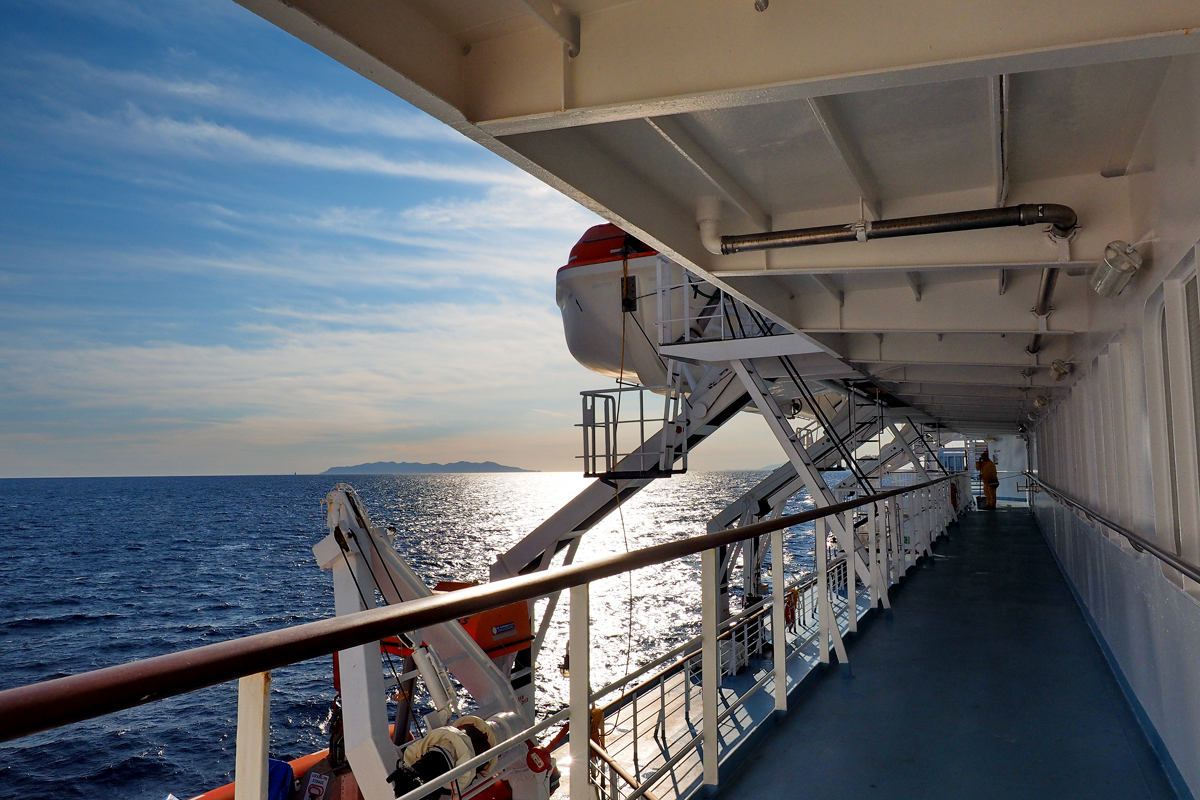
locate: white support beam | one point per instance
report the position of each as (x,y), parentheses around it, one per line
(894,375)
(579,648)
(912,457)
(710,665)
(849,154)
(561,22)
(914,283)
(1131,123)
(827,626)
(733,57)
(849,267)
(714,173)
(778,624)
(253,737)
(968,349)
(998,106)
(830,285)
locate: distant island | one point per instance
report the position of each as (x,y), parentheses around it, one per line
(413,467)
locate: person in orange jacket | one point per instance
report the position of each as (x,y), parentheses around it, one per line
(989,478)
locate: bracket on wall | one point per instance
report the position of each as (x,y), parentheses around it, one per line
(914,281)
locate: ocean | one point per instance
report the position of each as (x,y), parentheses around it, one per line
(102,571)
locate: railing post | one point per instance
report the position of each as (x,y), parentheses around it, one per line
(879,564)
(926,522)
(253,737)
(827,627)
(580,718)
(851,573)
(778,629)
(930,518)
(710,671)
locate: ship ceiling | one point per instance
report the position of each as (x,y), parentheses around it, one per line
(806,115)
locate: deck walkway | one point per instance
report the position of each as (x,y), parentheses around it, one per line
(985,682)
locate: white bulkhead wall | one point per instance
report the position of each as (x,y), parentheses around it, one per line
(1125,441)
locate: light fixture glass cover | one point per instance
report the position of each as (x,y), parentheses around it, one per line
(1113,272)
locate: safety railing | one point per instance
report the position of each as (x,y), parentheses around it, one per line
(691,310)
(670,679)
(904,522)
(1139,543)
(615,425)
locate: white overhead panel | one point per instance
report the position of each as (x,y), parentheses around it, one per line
(922,140)
(1080,120)
(778,151)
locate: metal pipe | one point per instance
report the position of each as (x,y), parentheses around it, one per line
(50,704)
(1061,217)
(1042,307)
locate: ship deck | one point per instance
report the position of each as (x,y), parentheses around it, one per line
(984,681)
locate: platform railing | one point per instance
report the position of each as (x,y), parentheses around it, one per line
(692,310)
(1139,543)
(917,513)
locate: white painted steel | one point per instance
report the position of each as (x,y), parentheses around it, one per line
(579,644)
(1158,656)
(369,748)
(710,668)
(827,630)
(850,543)
(778,626)
(836,578)
(1088,105)
(253,737)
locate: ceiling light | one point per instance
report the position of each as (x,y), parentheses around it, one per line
(1113,272)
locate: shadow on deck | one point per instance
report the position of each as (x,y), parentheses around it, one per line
(985,682)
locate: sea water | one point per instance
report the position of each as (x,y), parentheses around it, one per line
(102,571)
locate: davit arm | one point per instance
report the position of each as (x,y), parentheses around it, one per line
(363,560)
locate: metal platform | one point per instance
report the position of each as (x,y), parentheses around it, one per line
(985,681)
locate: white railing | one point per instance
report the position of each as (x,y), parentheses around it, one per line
(617,430)
(901,525)
(900,529)
(692,310)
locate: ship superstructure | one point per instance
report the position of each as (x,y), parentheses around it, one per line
(904,234)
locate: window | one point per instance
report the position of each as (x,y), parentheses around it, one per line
(1192,310)
(1170,419)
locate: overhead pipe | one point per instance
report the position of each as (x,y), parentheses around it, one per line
(1042,307)
(708,216)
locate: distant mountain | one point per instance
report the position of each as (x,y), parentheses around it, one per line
(413,467)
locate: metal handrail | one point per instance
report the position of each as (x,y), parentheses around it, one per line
(621,772)
(1166,556)
(26,710)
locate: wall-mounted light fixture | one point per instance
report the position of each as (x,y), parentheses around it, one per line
(1113,272)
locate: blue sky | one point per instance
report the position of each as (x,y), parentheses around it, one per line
(223,252)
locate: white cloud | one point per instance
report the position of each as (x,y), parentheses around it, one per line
(415,379)
(229,94)
(506,219)
(211,140)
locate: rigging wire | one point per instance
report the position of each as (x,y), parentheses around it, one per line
(921,436)
(794,375)
(617,421)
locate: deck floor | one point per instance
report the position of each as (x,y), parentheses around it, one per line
(984,682)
